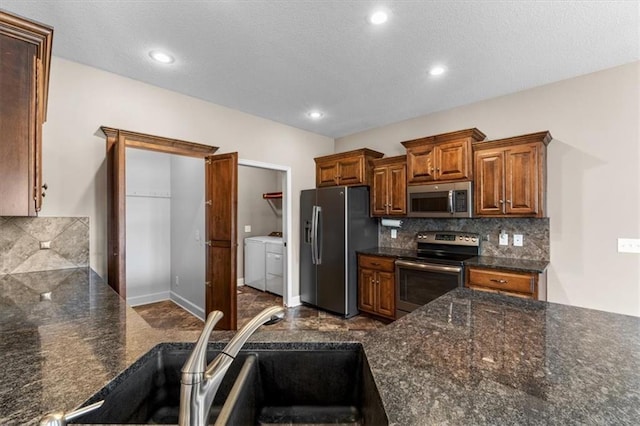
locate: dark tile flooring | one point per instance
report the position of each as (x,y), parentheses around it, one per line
(167,315)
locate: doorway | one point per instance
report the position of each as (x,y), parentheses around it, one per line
(274,199)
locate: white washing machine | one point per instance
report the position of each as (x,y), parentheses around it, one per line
(264,263)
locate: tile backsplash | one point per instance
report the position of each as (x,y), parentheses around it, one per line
(32,244)
(535,234)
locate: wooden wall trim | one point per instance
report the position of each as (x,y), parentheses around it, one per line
(160,144)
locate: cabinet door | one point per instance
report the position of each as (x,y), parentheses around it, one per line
(379,191)
(18,122)
(521,183)
(366,294)
(421,164)
(452,160)
(351,171)
(397,189)
(489,183)
(386,294)
(326,174)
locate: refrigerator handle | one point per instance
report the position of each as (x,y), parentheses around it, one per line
(312,238)
(319,234)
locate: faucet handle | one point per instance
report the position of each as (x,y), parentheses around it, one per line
(60,418)
(193,370)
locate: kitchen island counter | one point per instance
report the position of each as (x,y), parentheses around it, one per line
(465,358)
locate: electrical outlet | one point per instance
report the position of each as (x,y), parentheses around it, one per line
(247,228)
(45,245)
(518,240)
(177,281)
(394,233)
(628,245)
(504,239)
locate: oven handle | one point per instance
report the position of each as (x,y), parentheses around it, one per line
(428,267)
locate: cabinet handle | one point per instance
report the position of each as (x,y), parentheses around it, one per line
(45,186)
(501,202)
(509,201)
(207,283)
(499,281)
(375,263)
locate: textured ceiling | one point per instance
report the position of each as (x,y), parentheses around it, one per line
(279,59)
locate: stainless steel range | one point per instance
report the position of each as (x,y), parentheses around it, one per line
(437,268)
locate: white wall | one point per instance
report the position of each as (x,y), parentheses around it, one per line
(81,99)
(187,233)
(593,175)
(148,222)
(253,209)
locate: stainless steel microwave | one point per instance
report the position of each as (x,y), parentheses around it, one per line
(440,200)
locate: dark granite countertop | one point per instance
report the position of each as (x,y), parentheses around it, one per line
(465,358)
(525,265)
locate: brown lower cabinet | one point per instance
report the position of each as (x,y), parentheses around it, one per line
(376,285)
(530,285)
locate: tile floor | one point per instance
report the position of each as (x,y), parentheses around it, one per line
(167,315)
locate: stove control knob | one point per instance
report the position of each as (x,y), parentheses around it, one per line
(466,238)
(460,237)
(473,240)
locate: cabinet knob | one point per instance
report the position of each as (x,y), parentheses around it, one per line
(45,186)
(501,201)
(509,201)
(44,194)
(438,169)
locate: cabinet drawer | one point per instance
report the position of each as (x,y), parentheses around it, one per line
(503,280)
(378,263)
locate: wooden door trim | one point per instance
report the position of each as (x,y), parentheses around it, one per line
(117,140)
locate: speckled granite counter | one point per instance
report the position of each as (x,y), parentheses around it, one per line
(465,358)
(470,358)
(524,265)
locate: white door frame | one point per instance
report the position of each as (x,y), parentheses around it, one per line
(287,219)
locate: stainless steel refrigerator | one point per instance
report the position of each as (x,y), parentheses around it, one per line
(334,223)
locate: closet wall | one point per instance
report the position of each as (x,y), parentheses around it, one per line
(148,226)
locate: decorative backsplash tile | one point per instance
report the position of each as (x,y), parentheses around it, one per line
(535,233)
(23,242)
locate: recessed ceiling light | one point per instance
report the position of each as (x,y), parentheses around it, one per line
(436,71)
(379,17)
(315,115)
(162,57)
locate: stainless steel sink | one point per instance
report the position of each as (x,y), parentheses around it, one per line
(270,383)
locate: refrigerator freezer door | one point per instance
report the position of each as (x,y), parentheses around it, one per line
(331,283)
(307,268)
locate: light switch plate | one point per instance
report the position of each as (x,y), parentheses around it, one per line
(628,245)
(517,240)
(247,228)
(504,239)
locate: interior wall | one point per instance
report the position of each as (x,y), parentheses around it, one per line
(187,233)
(593,188)
(81,99)
(255,211)
(148,224)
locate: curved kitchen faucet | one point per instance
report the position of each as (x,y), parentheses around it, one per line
(200,382)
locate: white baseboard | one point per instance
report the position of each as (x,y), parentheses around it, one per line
(294,301)
(240,282)
(147,298)
(187,305)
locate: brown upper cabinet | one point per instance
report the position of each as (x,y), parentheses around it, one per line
(510,176)
(443,158)
(389,186)
(346,168)
(25,53)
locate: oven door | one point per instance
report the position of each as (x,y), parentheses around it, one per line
(418,283)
